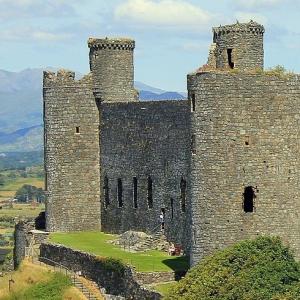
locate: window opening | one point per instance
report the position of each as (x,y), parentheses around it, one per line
(247,140)
(150,192)
(183,194)
(77,129)
(172,208)
(106,191)
(193,102)
(193,144)
(229,56)
(120,193)
(249,197)
(135,204)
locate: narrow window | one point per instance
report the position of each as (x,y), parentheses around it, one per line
(106,191)
(247,140)
(229,56)
(193,144)
(134,195)
(172,208)
(183,194)
(193,102)
(150,192)
(77,129)
(249,196)
(120,193)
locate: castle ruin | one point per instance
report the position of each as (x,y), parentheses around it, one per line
(222,166)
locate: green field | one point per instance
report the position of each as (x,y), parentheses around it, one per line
(98,243)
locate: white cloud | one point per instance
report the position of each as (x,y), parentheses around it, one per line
(256,4)
(28,34)
(247,16)
(168,13)
(35,8)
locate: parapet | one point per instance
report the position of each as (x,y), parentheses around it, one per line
(111,43)
(250,27)
(63,76)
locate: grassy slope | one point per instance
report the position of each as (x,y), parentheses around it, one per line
(97,243)
(37,283)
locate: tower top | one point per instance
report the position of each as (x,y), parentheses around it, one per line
(111,43)
(250,27)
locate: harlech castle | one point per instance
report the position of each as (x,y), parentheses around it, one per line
(222,166)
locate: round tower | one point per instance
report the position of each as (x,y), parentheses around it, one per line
(239,46)
(111,62)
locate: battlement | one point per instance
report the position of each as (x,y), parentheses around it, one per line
(251,27)
(111,44)
(62,76)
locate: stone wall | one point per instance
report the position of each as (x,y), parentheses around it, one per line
(142,141)
(116,282)
(111,62)
(71,121)
(244,40)
(246,131)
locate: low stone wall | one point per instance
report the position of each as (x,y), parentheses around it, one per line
(116,278)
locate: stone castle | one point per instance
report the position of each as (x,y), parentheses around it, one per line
(221,166)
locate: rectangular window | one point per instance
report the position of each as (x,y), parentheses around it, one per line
(120,193)
(77,129)
(135,204)
(106,191)
(193,102)
(230,60)
(150,194)
(193,144)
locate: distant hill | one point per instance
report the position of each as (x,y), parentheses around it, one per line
(21,107)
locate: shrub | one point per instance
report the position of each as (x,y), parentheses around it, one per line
(258,269)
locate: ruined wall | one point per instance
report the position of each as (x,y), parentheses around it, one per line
(141,140)
(246,43)
(246,130)
(117,279)
(71,121)
(111,62)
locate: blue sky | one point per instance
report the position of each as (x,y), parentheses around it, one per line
(172,36)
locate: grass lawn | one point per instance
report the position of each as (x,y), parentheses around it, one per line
(22,210)
(97,243)
(164,288)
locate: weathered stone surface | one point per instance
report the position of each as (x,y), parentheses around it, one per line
(123,284)
(246,135)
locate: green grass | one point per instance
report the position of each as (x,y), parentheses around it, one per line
(52,289)
(164,288)
(22,210)
(97,243)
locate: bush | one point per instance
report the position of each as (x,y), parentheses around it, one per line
(258,269)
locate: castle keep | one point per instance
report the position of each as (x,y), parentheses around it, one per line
(222,166)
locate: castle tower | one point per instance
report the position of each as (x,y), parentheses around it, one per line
(241,182)
(238,46)
(111,62)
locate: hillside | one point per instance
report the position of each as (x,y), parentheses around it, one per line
(21,108)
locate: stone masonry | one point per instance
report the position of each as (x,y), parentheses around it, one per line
(222,166)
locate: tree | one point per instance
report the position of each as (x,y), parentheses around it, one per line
(29,192)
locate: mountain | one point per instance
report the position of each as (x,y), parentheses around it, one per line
(21,107)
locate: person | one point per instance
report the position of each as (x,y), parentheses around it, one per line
(162,221)
(171,249)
